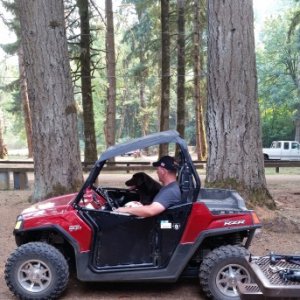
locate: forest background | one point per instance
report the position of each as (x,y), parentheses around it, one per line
(136,114)
(149,66)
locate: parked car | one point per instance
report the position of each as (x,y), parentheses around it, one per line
(206,236)
(283,150)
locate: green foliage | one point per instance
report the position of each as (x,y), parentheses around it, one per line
(11,48)
(277,124)
(10,101)
(277,66)
(137,39)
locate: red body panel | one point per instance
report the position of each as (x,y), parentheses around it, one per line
(58,211)
(201,219)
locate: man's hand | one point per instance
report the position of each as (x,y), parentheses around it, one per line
(133,204)
(153,209)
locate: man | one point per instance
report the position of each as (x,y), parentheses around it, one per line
(169,194)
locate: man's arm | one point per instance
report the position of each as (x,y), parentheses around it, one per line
(153,209)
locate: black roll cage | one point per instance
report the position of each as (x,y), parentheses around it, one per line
(164,137)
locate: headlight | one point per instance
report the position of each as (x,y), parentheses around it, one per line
(19,223)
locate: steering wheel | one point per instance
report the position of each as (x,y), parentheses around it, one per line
(95,198)
(103,193)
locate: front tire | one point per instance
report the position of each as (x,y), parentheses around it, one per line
(36,271)
(221,270)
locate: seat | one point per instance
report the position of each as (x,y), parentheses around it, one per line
(186,183)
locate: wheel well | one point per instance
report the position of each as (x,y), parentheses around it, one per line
(235,238)
(207,245)
(51,237)
(266,156)
(212,242)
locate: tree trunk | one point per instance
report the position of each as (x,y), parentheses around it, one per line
(3,149)
(181,68)
(235,148)
(165,73)
(57,165)
(111,75)
(201,146)
(123,115)
(90,146)
(297,132)
(25,102)
(144,116)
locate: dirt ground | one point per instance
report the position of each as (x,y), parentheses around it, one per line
(280,233)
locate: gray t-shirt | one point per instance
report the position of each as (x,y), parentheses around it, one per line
(169,195)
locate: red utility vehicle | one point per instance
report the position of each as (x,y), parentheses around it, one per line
(206,236)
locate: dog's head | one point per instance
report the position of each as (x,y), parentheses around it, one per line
(144,182)
(137,180)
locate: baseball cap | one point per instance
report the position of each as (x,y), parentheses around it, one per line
(166,162)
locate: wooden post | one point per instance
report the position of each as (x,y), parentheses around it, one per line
(20,180)
(4,180)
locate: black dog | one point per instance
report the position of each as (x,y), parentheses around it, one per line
(145,186)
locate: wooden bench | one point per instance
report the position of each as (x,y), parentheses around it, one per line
(20,178)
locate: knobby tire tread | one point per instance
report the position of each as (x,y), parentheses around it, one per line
(40,250)
(212,259)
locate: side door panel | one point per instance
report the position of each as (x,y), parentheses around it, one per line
(295,151)
(170,226)
(121,241)
(286,151)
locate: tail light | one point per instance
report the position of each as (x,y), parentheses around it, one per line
(255,218)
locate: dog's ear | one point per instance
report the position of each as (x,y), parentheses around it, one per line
(147,180)
(138,178)
(144,176)
(151,184)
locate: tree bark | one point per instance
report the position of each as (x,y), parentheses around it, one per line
(3,149)
(201,146)
(111,75)
(297,132)
(144,116)
(181,68)
(57,165)
(25,102)
(124,109)
(90,146)
(165,73)
(234,134)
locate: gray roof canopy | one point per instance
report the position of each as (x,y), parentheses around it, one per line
(170,136)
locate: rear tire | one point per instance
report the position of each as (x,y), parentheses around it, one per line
(221,270)
(36,271)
